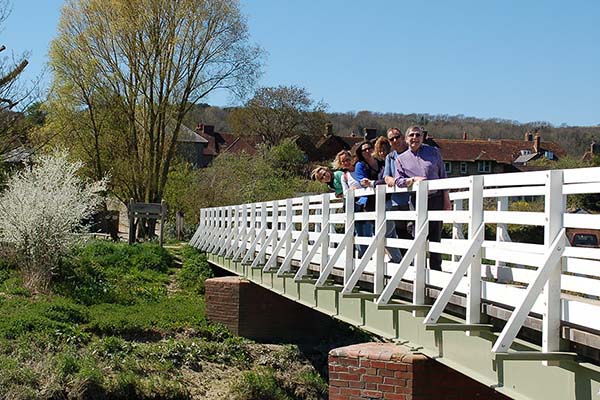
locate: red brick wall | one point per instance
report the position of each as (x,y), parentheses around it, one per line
(223,301)
(252,311)
(389,371)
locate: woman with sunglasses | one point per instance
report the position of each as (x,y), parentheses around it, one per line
(367,167)
(381,149)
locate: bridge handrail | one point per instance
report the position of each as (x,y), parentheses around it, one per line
(552,279)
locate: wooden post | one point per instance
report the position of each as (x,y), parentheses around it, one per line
(163,214)
(131,222)
(179,225)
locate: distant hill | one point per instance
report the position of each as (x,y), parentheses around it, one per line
(575,139)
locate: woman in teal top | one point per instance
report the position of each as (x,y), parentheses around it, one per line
(332,179)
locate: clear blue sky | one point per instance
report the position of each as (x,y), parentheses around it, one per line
(523,60)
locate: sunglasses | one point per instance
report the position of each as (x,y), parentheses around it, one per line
(414,134)
(394,138)
(366,149)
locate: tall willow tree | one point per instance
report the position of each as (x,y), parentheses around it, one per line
(127,71)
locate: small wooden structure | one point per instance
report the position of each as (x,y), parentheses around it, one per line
(179,222)
(148,211)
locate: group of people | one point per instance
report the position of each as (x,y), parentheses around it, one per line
(393,160)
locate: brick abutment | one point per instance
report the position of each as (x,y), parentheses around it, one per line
(390,371)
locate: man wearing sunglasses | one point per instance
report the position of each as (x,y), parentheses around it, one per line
(422,162)
(397,201)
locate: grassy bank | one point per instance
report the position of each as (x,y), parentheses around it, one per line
(127,322)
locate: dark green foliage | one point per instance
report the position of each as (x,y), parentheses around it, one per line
(194,271)
(104,272)
(41,316)
(147,318)
(11,283)
(139,256)
(287,158)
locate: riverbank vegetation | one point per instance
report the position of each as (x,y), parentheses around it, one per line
(124,322)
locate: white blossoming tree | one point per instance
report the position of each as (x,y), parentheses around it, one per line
(41,212)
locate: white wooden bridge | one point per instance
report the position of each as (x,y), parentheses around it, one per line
(506,313)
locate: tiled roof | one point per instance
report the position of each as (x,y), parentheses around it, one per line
(504,151)
(241,145)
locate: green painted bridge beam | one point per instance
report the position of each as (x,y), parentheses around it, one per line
(458,327)
(535,356)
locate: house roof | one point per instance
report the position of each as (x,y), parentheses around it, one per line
(214,140)
(505,151)
(187,135)
(241,145)
(325,147)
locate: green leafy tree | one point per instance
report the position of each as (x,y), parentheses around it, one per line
(242,178)
(126,72)
(276,113)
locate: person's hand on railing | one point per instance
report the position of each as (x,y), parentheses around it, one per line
(390,181)
(410,181)
(366,183)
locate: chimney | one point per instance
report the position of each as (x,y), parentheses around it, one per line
(528,136)
(369,133)
(536,143)
(465,135)
(328,129)
(200,127)
(209,129)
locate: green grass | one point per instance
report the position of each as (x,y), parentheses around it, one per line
(169,315)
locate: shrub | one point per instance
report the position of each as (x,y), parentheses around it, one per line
(194,271)
(41,212)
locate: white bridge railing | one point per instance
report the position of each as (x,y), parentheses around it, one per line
(315,234)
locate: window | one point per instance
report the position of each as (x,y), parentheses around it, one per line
(463,167)
(448,167)
(484,166)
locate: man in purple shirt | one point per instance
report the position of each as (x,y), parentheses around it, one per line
(418,163)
